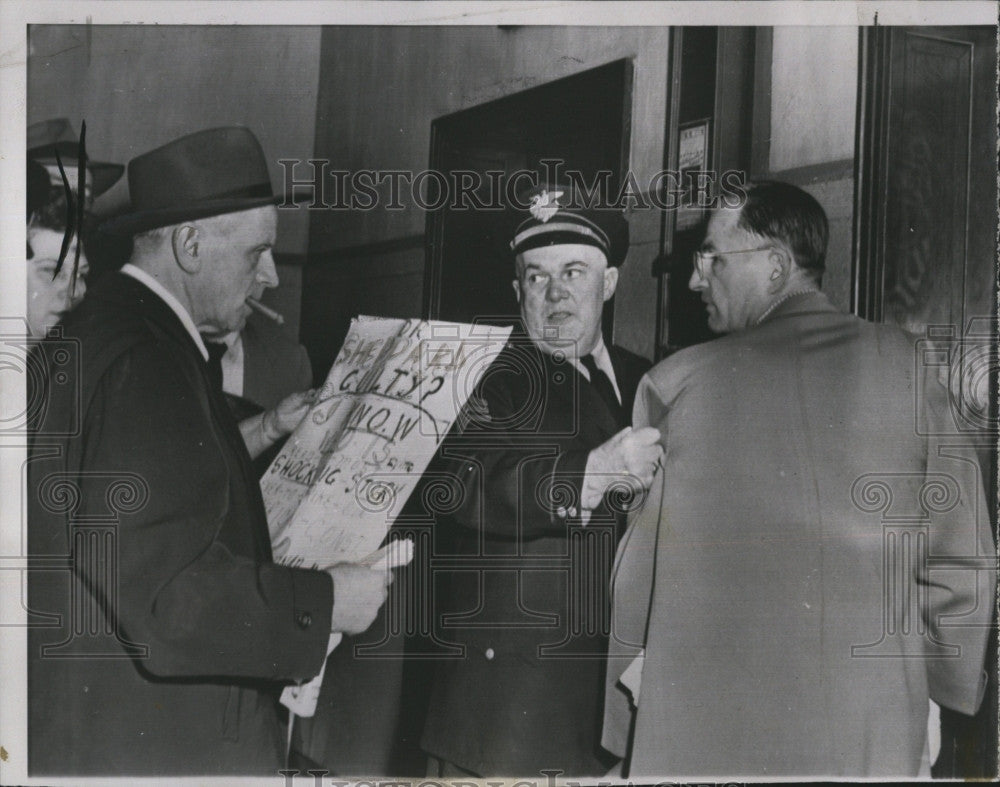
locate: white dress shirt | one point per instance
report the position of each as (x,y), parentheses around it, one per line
(232,363)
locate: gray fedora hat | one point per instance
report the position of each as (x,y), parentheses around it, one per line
(207,173)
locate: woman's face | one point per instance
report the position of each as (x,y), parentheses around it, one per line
(49,299)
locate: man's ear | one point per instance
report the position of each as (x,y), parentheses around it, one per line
(610,282)
(185,245)
(781,269)
(517,289)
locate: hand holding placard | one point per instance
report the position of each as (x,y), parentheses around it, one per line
(359,589)
(373,573)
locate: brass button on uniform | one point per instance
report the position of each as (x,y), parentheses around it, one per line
(490,654)
(304,620)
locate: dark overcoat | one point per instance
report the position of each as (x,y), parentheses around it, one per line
(164,631)
(524,603)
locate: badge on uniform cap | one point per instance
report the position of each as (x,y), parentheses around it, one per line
(545,205)
(550,214)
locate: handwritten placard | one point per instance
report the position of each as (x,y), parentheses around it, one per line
(392,394)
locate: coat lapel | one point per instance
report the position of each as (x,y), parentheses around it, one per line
(571,392)
(628,372)
(128,293)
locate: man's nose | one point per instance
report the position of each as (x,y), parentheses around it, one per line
(556,291)
(267,273)
(697,281)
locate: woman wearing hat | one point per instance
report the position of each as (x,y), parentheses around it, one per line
(56,280)
(57,211)
(53,142)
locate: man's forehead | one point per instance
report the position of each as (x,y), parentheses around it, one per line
(268,218)
(263,215)
(260,222)
(561,255)
(722,225)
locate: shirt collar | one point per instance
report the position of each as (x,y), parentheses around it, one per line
(230,340)
(601,356)
(778,305)
(168,298)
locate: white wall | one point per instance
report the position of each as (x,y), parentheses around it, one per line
(814,85)
(814,88)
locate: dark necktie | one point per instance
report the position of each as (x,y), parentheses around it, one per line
(602,384)
(215,352)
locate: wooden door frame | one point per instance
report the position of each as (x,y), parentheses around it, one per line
(734,125)
(871,173)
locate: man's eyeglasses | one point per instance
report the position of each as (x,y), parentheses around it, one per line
(703,260)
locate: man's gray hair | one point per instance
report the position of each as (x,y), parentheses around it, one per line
(154,237)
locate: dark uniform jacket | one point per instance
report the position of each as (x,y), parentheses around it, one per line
(163,630)
(524,602)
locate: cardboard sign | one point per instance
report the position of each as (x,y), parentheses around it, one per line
(393,393)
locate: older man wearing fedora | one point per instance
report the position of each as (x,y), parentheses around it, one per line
(165,629)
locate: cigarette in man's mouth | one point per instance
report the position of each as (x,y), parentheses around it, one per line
(271,314)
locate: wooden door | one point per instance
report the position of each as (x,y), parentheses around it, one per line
(925,243)
(580,121)
(927,253)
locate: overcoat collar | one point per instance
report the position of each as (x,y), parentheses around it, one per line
(128,294)
(568,388)
(811,301)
